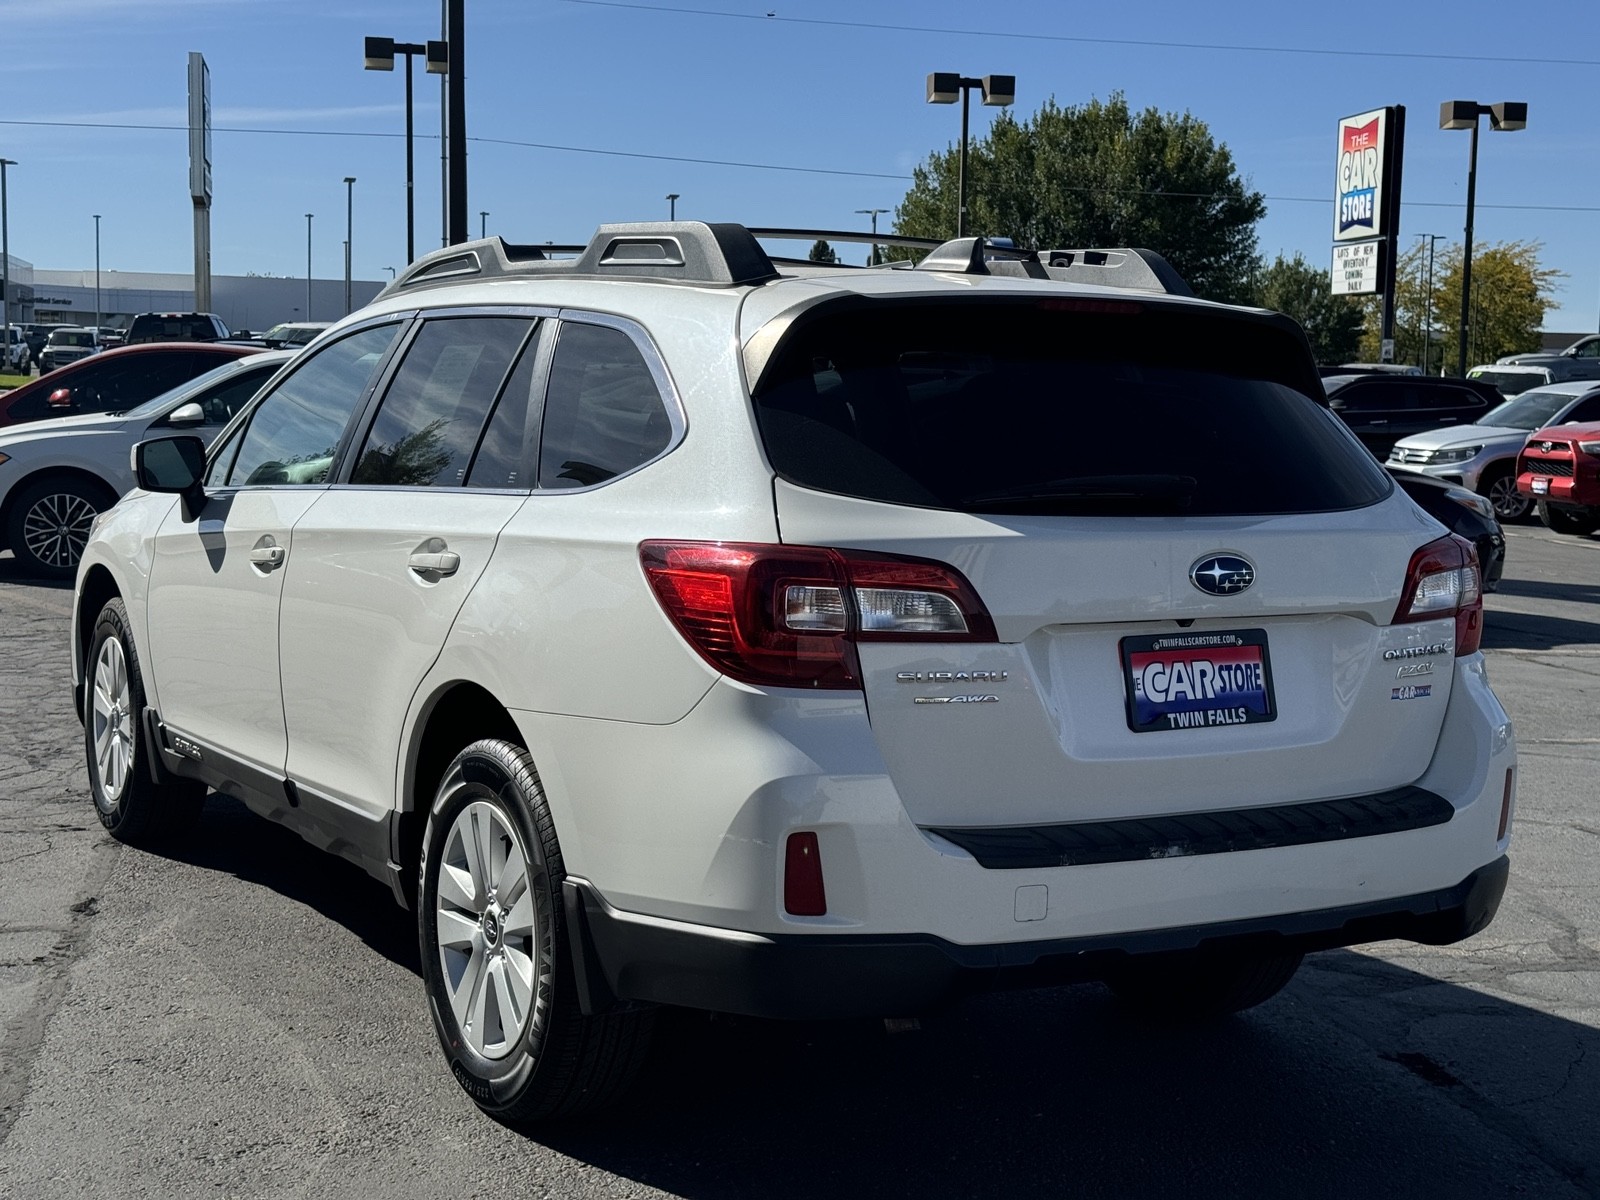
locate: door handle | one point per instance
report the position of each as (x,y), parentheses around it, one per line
(440,562)
(268,556)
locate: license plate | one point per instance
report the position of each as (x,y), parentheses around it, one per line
(1541,486)
(1197,680)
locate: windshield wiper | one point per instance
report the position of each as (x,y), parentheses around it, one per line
(1171,490)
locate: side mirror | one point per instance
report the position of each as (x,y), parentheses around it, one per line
(61,398)
(174,465)
(187,414)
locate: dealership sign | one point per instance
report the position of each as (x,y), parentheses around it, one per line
(1357,269)
(1358,194)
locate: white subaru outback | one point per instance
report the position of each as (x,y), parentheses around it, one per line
(670,625)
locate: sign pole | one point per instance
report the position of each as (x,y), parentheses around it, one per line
(1395,153)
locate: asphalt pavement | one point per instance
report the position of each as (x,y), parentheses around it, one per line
(245,1018)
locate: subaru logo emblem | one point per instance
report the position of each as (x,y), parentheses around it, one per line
(1222,574)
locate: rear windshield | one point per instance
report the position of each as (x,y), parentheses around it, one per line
(172,329)
(1029,409)
(1508,383)
(72,337)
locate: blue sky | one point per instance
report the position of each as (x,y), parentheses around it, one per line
(582,111)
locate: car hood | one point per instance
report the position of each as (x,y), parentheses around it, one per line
(1452,436)
(1568,433)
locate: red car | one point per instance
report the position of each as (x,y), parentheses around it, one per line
(1559,468)
(114,380)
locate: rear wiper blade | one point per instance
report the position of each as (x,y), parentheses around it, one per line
(1092,487)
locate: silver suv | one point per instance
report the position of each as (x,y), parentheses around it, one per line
(673,625)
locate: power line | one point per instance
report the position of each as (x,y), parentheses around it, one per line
(1089,41)
(756,166)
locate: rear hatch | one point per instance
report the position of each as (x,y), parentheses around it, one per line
(1191,568)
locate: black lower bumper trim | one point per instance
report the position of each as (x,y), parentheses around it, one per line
(1010,847)
(823,976)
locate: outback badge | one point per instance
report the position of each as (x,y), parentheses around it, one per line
(1221,574)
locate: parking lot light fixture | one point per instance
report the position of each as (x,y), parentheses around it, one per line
(483,223)
(946,87)
(672,206)
(379,55)
(96,279)
(873,259)
(308,266)
(1506,117)
(5,267)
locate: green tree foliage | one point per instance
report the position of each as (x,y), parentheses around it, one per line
(821,252)
(1333,324)
(1511,294)
(1100,174)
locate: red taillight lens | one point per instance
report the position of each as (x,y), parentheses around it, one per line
(789,616)
(803,894)
(1443,581)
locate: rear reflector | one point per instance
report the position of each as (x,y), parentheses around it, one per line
(1505,805)
(1443,581)
(803,895)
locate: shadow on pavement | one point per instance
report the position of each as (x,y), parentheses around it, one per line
(1528,631)
(11,571)
(1361,1079)
(1548,589)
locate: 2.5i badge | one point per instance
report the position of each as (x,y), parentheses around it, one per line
(1197,680)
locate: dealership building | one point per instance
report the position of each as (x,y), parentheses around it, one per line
(253,302)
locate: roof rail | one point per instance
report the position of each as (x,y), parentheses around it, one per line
(721,255)
(1122,267)
(728,255)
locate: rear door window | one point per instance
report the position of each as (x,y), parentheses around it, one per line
(429,420)
(1023,408)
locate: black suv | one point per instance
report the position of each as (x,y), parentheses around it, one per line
(1382,409)
(176,327)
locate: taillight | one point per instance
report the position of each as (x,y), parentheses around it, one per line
(1443,581)
(803,893)
(790,616)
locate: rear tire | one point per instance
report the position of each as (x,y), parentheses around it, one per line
(1500,488)
(1560,518)
(130,804)
(495,953)
(1200,987)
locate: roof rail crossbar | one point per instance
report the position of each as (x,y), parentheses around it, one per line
(845,235)
(1119,267)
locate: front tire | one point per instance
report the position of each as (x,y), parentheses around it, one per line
(1560,518)
(1202,987)
(495,954)
(49,524)
(130,804)
(1500,488)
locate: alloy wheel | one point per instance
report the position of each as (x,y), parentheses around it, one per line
(488,927)
(56,528)
(113,723)
(1509,504)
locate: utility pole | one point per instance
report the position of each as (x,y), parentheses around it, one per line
(456,36)
(349,232)
(873,259)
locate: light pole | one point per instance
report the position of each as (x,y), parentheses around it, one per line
(946,87)
(1427,337)
(349,234)
(1507,116)
(483,222)
(96,279)
(672,206)
(308,266)
(391,273)
(379,55)
(872,259)
(5,269)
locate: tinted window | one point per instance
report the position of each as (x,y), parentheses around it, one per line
(431,416)
(1588,410)
(294,433)
(72,337)
(116,385)
(1015,408)
(154,327)
(603,412)
(506,454)
(1367,397)
(1449,398)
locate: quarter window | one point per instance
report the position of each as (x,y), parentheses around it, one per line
(430,418)
(603,415)
(294,433)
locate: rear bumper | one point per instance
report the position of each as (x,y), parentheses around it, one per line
(626,957)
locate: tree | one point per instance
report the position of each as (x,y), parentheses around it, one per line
(1100,174)
(1333,324)
(821,252)
(1511,294)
